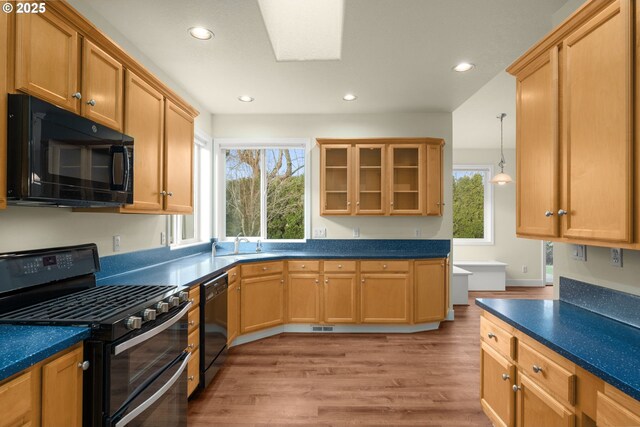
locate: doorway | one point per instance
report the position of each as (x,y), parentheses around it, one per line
(548,262)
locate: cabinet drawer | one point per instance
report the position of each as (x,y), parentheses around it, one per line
(382,265)
(233,274)
(193,341)
(194,295)
(498,338)
(339,265)
(547,373)
(193,372)
(304,265)
(612,414)
(17,395)
(193,318)
(262,268)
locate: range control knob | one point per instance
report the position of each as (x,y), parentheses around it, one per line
(149,314)
(174,301)
(183,296)
(162,307)
(134,322)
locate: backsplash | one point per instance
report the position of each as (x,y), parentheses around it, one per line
(616,305)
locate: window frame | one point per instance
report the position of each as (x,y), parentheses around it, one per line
(202,207)
(488,239)
(222,144)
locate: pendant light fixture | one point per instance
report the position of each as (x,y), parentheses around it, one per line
(501,178)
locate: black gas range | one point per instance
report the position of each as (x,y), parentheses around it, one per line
(137,351)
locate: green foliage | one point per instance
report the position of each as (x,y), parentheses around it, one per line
(285,208)
(468,207)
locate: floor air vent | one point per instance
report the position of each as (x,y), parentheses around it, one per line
(316,328)
(327,328)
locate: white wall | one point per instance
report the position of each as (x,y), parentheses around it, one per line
(563,13)
(353,126)
(506,247)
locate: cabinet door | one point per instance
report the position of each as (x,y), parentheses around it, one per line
(193,372)
(102,87)
(370,179)
(340,298)
(261,303)
(233,312)
(47,59)
(144,121)
(62,391)
(335,180)
(18,401)
(612,414)
(537,408)
(406,179)
(384,298)
(497,376)
(429,291)
(537,147)
(178,159)
(434,193)
(303,298)
(4,47)
(598,125)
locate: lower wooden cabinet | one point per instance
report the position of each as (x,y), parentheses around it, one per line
(304,297)
(233,311)
(48,394)
(497,376)
(261,302)
(536,407)
(429,299)
(193,340)
(340,298)
(612,412)
(193,372)
(384,298)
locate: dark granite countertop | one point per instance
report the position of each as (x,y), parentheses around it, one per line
(605,347)
(196,268)
(22,346)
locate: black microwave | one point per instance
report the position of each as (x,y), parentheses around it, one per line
(55,157)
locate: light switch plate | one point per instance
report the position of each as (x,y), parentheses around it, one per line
(579,252)
(116,243)
(356,232)
(319,233)
(616,257)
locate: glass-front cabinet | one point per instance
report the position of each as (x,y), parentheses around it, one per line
(407,179)
(370,181)
(335,185)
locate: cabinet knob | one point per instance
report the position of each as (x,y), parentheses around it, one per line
(339,265)
(536,369)
(505,377)
(348,203)
(548,214)
(192,378)
(384,266)
(238,289)
(357,203)
(191,346)
(170,193)
(84,365)
(491,335)
(282,281)
(326,280)
(516,388)
(163,193)
(562,212)
(192,322)
(91,102)
(265,268)
(77,95)
(391,203)
(362,280)
(317,281)
(302,266)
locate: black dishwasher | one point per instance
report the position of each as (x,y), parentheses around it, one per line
(213,327)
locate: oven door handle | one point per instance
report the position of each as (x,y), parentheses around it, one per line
(152,332)
(155,396)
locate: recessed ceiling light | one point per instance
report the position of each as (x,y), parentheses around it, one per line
(245,98)
(200,33)
(463,66)
(349,97)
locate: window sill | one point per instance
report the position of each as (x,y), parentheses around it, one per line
(187,244)
(472,242)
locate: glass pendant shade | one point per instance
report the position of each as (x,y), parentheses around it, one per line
(501,178)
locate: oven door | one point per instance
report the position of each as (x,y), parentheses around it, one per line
(146,379)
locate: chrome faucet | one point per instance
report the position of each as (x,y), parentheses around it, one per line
(213,249)
(236,242)
(258,246)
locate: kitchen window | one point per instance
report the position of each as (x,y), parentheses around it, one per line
(263,189)
(472,205)
(195,228)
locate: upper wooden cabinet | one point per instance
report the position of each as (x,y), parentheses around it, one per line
(102,86)
(575,140)
(178,160)
(47,58)
(386,176)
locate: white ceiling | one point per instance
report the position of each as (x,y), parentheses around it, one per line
(397,54)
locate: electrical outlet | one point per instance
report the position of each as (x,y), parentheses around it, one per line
(163,238)
(356,232)
(616,257)
(417,232)
(116,243)
(525,269)
(579,252)
(319,233)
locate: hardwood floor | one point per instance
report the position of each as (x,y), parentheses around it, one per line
(424,379)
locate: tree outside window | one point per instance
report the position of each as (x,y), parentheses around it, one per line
(472,204)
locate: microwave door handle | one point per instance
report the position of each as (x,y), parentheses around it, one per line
(125,169)
(157,395)
(151,332)
(115,149)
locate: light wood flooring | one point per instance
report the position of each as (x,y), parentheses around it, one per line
(424,379)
